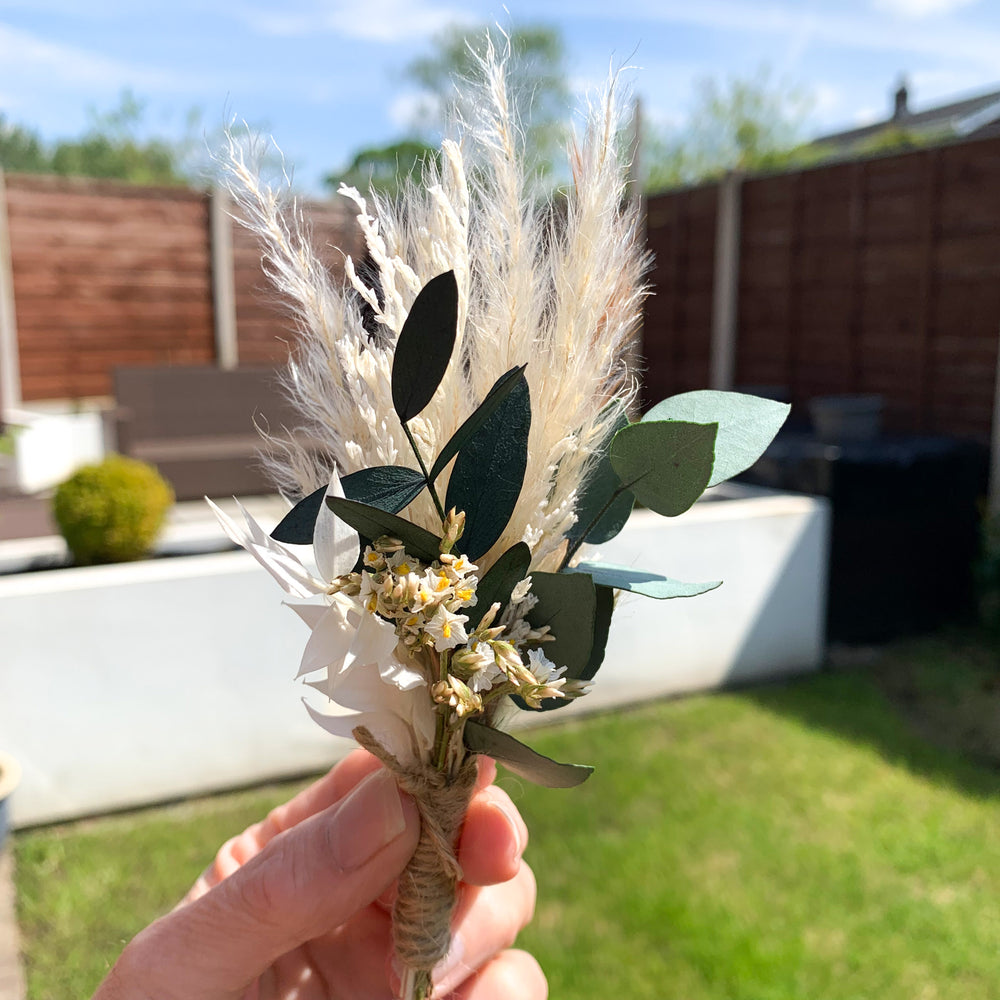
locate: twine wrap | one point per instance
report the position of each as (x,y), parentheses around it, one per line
(421,918)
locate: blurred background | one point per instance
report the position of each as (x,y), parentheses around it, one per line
(821,192)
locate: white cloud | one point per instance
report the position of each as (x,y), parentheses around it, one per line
(868,115)
(383,21)
(25,57)
(921,8)
(930,84)
(411,107)
(857,31)
(827,99)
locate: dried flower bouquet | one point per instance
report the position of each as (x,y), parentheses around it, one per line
(470,387)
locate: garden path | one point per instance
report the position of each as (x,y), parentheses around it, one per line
(11,973)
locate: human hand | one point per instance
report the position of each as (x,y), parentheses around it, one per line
(299,905)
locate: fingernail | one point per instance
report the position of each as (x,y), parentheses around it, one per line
(447,968)
(515,827)
(366,820)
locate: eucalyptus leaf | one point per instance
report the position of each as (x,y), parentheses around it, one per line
(567,603)
(522,760)
(600,514)
(424,346)
(604,608)
(499,580)
(666,463)
(371,522)
(747,425)
(296,527)
(489,471)
(503,385)
(638,581)
(388,487)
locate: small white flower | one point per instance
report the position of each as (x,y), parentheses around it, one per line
(544,670)
(479,662)
(447,629)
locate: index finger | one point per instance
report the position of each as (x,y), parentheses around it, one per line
(314,799)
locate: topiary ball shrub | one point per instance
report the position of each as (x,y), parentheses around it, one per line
(112,511)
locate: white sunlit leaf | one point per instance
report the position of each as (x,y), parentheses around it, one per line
(335,543)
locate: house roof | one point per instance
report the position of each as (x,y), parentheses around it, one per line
(970,117)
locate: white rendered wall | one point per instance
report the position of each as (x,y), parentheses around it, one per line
(121,685)
(766,620)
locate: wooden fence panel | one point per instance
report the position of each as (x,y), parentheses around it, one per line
(265,327)
(878,276)
(106,274)
(678,316)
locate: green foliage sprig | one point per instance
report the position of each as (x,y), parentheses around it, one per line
(666,461)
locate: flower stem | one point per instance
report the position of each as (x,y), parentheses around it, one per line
(423,469)
(593,522)
(416,985)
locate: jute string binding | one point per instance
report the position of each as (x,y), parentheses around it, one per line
(422,915)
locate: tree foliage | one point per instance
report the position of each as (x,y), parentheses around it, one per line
(21,149)
(536,81)
(114,146)
(740,124)
(383,168)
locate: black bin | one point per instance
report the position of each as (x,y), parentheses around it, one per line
(905,527)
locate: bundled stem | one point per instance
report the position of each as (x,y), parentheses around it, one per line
(427,888)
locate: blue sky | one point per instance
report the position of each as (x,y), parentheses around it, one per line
(324,76)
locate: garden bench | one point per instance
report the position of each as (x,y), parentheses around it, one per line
(198,425)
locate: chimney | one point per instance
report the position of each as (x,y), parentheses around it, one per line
(900,110)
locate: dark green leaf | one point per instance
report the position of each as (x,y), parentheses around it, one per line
(370,522)
(666,463)
(601,515)
(500,579)
(747,425)
(296,527)
(424,346)
(489,471)
(388,487)
(522,760)
(567,603)
(639,581)
(602,627)
(482,413)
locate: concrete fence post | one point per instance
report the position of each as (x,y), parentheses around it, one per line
(10,362)
(994,495)
(726,284)
(223,280)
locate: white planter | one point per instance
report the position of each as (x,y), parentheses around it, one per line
(766,620)
(52,443)
(122,685)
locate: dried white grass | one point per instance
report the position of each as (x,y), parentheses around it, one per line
(562,294)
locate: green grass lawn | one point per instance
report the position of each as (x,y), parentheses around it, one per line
(803,841)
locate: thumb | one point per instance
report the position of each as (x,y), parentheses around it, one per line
(304,883)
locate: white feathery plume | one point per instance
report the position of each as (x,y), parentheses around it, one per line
(557,287)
